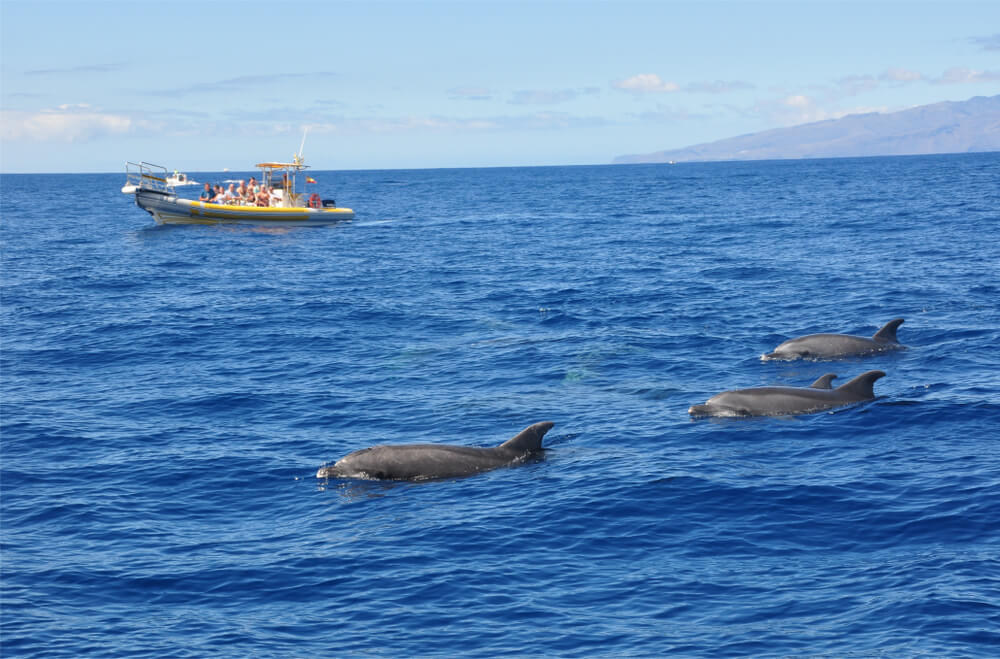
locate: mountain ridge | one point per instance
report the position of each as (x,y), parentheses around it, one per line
(946,127)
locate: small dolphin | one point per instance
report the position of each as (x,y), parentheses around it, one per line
(783,401)
(824,381)
(833,346)
(414,462)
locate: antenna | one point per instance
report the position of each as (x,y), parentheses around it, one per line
(305,131)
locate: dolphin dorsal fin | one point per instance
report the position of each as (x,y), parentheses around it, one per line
(529,439)
(888,331)
(863,386)
(823,382)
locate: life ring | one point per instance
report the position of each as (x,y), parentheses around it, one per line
(315,201)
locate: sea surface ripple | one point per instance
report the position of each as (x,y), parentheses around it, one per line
(168,394)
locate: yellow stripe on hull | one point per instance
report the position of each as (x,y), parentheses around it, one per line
(173,210)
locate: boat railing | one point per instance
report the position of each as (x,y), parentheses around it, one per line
(147,176)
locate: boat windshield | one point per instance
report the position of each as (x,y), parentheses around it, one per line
(278,177)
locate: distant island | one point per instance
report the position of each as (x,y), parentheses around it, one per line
(948,127)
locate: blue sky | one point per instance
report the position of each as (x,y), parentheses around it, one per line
(209,85)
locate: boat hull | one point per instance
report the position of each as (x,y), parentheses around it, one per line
(170,209)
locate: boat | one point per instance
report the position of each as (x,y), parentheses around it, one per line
(180,178)
(174,180)
(155,193)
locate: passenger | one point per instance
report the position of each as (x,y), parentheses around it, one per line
(241,191)
(263,198)
(231,197)
(254,188)
(219,195)
(207,194)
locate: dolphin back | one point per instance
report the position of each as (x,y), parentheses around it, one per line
(833,346)
(415,462)
(767,401)
(823,381)
(528,440)
(862,387)
(822,346)
(780,401)
(429,461)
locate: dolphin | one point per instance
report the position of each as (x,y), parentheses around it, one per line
(784,401)
(415,462)
(823,381)
(833,346)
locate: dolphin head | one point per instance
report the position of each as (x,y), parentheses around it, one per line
(716,406)
(700,410)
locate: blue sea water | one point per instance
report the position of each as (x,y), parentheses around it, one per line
(168,394)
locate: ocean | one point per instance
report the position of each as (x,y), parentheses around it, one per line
(168,394)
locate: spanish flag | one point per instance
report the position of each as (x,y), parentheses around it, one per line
(310,179)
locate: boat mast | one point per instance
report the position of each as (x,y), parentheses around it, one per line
(298,158)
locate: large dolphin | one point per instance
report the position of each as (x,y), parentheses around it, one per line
(784,401)
(412,462)
(833,346)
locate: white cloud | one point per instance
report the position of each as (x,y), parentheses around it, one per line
(389,125)
(443,124)
(542,96)
(81,69)
(960,75)
(800,109)
(667,114)
(798,102)
(991,42)
(856,84)
(859,84)
(717,86)
(66,123)
(257,83)
(547,121)
(412,124)
(902,75)
(645,83)
(470,93)
(549,96)
(650,83)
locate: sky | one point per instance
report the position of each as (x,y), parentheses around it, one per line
(213,85)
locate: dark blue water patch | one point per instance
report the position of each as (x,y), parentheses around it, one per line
(168,394)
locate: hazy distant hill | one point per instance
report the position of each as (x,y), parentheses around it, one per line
(949,127)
